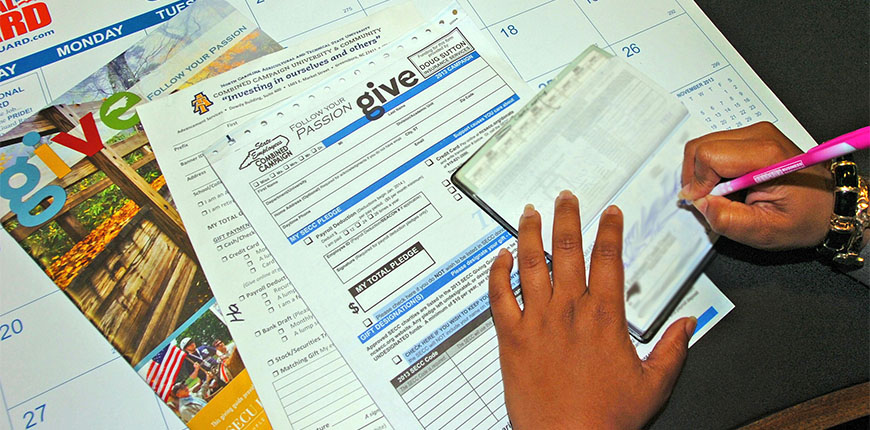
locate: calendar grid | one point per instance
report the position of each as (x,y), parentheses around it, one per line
(485,27)
(645,30)
(586,15)
(267,22)
(284,40)
(519,31)
(5,405)
(514,15)
(71,379)
(25,408)
(22,306)
(738,73)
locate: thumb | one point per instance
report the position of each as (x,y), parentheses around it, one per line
(668,356)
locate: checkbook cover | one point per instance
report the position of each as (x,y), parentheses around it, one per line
(570,126)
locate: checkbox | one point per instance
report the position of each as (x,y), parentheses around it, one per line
(429,162)
(271,361)
(205,212)
(257,333)
(242,298)
(445,182)
(256,183)
(283,338)
(253,270)
(371,216)
(247,256)
(219,247)
(346,232)
(224,258)
(250,263)
(200,204)
(271,309)
(275,373)
(451,190)
(457,197)
(367,322)
(267,302)
(397,359)
(265,295)
(358,224)
(308,240)
(281,330)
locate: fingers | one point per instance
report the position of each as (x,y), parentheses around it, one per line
(606,277)
(569,269)
(753,225)
(534,274)
(728,154)
(505,309)
(713,160)
(667,358)
(691,148)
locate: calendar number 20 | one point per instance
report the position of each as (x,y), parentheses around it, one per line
(11,329)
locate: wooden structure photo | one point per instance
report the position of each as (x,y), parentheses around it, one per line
(135,276)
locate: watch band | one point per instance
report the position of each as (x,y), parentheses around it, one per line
(850,217)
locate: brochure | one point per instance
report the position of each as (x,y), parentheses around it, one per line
(82,195)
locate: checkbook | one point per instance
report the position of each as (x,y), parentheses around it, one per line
(608,133)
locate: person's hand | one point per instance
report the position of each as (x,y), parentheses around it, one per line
(792,211)
(566,358)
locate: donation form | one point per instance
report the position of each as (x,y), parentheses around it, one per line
(347,185)
(302,380)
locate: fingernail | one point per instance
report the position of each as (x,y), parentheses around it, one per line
(565,194)
(701,204)
(683,193)
(503,251)
(690,326)
(611,210)
(529,210)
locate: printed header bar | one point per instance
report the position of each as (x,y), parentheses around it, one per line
(87,42)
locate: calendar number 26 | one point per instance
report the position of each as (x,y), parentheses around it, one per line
(631,50)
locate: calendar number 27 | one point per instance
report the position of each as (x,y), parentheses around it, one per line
(34,417)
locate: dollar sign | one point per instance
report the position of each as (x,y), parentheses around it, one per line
(353,307)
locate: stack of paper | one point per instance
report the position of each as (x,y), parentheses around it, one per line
(312,196)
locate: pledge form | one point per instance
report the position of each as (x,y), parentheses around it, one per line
(347,185)
(300,377)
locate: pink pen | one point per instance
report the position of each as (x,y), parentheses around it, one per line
(845,144)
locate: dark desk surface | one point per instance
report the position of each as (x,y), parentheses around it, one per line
(799,330)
